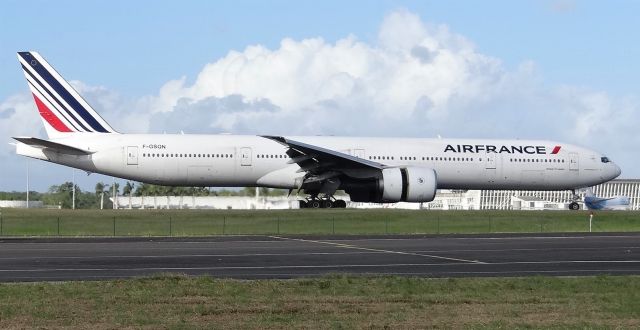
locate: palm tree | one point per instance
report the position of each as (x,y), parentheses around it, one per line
(101,188)
(128,190)
(115,188)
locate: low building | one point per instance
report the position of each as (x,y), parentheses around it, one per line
(445,200)
(504,199)
(22,204)
(535,203)
(516,199)
(205,202)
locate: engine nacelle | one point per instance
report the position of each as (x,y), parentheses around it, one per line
(408,184)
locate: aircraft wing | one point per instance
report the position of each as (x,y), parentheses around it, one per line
(53,146)
(316,159)
(321,164)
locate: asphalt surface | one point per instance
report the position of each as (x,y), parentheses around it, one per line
(253,257)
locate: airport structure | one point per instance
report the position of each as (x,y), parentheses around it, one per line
(22,204)
(445,200)
(526,200)
(205,202)
(517,199)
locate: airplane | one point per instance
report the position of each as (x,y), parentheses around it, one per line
(592,202)
(368,169)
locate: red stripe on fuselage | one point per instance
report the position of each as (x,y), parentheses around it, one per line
(50,117)
(555,150)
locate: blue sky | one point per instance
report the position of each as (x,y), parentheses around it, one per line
(132,49)
(139,45)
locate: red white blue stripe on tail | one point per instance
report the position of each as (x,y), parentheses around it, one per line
(62,109)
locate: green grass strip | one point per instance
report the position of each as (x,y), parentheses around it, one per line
(175,302)
(41,222)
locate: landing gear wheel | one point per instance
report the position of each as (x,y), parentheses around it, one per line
(327,204)
(314,204)
(340,204)
(574,206)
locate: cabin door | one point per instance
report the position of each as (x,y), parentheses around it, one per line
(132,155)
(490,167)
(573,161)
(245,156)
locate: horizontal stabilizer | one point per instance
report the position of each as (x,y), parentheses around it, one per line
(53,146)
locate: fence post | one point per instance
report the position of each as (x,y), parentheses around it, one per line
(490,229)
(170,234)
(58,226)
(386,226)
(540,224)
(333,225)
(224,224)
(114,226)
(278,227)
(1,232)
(438,228)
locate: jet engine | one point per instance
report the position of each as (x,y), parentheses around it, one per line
(397,184)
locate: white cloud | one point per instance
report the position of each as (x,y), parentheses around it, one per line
(417,79)
(324,85)
(19,117)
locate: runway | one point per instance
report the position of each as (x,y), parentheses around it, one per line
(257,257)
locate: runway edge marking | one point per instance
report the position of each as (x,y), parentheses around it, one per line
(349,246)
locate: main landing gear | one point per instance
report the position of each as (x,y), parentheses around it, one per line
(322,203)
(574,204)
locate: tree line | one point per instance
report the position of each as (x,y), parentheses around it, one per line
(62,195)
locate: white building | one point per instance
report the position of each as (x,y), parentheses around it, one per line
(445,200)
(205,202)
(516,199)
(519,199)
(21,204)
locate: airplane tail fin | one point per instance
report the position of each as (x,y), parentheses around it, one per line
(62,109)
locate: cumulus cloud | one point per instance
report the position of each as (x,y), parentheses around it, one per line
(347,87)
(416,79)
(19,117)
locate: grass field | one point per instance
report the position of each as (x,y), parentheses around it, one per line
(331,302)
(42,222)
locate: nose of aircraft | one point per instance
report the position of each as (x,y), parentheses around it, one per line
(617,171)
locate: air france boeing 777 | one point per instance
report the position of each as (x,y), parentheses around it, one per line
(382,170)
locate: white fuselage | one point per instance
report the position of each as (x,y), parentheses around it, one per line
(241,160)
